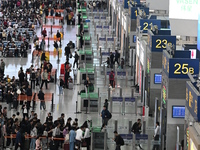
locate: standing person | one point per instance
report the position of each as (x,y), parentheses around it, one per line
(41,98)
(136,128)
(32,78)
(2,67)
(117,56)
(33,136)
(18,140)
(25,110)
(67,52)
(87,137)
(44,77)
(37,77)
(55,45)
(61,84)
(21,76)
(72,138)
(79,137)
(118,140)
(76,58)
(105,115)
(67,71)
(81,40)
(44,32)
(156,136)
(112,78)
(111,60)
(29,96)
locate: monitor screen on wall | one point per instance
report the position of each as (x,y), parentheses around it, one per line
(184,9)
(157,78)
(178,111)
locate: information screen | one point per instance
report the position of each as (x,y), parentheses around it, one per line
(157,78)
(178,111)
(184,9)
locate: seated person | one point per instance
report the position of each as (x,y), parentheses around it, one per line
(9,36)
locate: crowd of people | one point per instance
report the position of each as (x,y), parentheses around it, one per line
(28,132)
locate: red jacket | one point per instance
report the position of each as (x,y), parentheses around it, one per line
(112,76)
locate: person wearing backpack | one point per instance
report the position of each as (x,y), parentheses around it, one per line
(118,140)
(112,78)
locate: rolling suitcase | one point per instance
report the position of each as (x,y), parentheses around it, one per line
(25,54)
(70,86)
(66,146)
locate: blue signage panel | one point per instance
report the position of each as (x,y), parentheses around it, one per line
(121,73)
(105,54)
(102,39)
(159,42)
(147,24)
(117,99)
(127,136)
(129,99)
(141,137)
(100,27)
(134,11)
(106,27)
(110,39)
(192,102)
(125,4)
(178,111)
(178,68)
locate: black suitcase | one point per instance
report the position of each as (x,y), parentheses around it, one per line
(10,54)
(26,144)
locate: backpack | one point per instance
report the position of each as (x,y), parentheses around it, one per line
(121,141)
(109,115)
(111,76)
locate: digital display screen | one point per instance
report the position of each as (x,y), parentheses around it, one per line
(198,34)
(157,78)
(178,111)
(187,9)
(134,38)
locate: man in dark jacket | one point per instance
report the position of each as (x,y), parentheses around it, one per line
(136,128)
(76,57)
(111,59)
(29,96)
(18,140)
(118,140)
(67,52)
(117,56)
(41,98)
(105,115)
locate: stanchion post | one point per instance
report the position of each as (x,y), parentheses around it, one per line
(41,28)
(120,92)
(105,139)
(105,74)
(51,30)
(92,140)
(53,20)
(136,106)
(100,56)
(123,106)
(144,127)
(52,101)
(116,125)
(98,93)
(45,20)
(129,127)
(99,106)
(126,78)
(132,93)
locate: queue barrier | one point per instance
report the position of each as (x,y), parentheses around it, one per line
(53,17)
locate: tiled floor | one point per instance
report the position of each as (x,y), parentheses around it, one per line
(67,103)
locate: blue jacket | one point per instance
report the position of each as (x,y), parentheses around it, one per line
(72,136)
(105,113)
(18,138)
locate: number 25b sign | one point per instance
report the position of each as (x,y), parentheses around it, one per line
(178,68)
